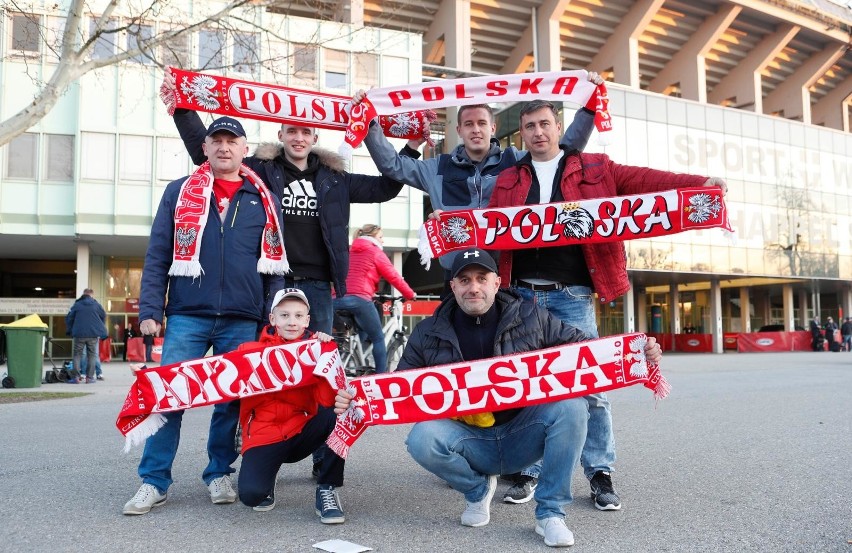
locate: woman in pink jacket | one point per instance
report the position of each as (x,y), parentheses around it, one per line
(367,264)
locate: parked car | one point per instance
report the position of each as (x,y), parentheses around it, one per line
(776,328)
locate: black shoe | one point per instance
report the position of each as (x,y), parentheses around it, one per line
(603,493)
(100,377)
(315,471)
(266,505)
(522,491)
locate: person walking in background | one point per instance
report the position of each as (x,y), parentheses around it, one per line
(128,334)
(830,328)
(846,334)
(148,341)
(816,334)
(214,259)
(85,323)
(367,265)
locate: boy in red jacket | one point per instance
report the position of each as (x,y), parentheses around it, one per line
(287,426)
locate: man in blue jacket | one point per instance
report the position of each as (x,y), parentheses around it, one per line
(213,261)
(315,193)
(85,322)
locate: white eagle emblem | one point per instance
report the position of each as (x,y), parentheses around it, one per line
(200,89)
(578,222)
(703,207)
(456,230)
(272,240)
(403,124)
(638,366)
(185,238)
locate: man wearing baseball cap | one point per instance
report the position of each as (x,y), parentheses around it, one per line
(214,257)
(287,426)
(469,452)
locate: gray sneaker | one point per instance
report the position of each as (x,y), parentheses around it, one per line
(147,497)
(479,513)
(522,491)
(554,531)
(221,490)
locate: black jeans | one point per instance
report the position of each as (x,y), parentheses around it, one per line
(260,464)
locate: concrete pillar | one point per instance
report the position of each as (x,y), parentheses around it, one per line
(745,309)
(804,316)
(716,314)
(674,309)
(83,255)
(629,309)
(846,300)
(641,311)
(789,312)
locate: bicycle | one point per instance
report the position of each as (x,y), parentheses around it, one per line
(357,358)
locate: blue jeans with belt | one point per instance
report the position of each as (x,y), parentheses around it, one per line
(189,337)
(575,306)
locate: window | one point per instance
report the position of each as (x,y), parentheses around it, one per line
(366,69)
(175,51)
(210,44)
(245,52)
(135,158)
(104,46)
(53,38)
(138,36)
(97,160)
(336,69)
(59,157)
(304,65)
(172,159)
(394,71)
(25,33)
(23,153)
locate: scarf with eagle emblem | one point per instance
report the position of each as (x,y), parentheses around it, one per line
(574,223)
(190,219)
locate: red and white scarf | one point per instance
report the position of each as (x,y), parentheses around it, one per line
(498,383)
(281,104)
(569,86)
(577,222)
(223,378)
(191,214)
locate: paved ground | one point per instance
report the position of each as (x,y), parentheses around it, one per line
(750,453)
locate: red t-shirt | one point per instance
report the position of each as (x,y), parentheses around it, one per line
(224,191)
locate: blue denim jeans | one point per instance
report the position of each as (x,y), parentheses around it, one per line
(98,370)
(575,306)
(85,348)
(318,293)
(189,337)
(464,455)
(368,321)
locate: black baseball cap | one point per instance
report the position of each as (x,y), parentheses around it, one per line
(228,124)
(473,256)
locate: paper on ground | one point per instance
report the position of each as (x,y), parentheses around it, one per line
(341,546)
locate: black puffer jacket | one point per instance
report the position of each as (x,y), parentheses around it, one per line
(335,188)
(523,326)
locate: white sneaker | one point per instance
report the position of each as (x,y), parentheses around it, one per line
(479,513)
(221,490)
(147,497)
(555,532)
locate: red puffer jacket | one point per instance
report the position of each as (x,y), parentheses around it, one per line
(589,176)
(367,264)
(278,416)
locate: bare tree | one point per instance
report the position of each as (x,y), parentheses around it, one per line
(88,41)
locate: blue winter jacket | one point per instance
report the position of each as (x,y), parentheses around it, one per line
(86,319)
(230,285)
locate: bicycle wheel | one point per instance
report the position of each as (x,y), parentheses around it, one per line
(395,349)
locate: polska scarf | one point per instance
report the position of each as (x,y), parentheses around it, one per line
(190,218)
(577,222)
(223,378)
(570,86)
(498,383)
(281,104)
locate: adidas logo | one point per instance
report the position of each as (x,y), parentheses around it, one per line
(299,194)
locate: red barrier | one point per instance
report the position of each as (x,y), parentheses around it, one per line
(135,350)
(765,341)
(802,340)
(729,340)
(693,343)
(665,340)
(105,347)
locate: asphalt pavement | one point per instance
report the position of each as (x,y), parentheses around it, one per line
(751,452)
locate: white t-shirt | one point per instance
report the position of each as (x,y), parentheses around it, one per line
(545,171)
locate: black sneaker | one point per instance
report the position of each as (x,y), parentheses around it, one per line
(315,471)
(328,505)
(522,491)
(603,493)
(266,505)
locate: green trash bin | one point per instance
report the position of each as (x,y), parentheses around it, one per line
(24,347)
